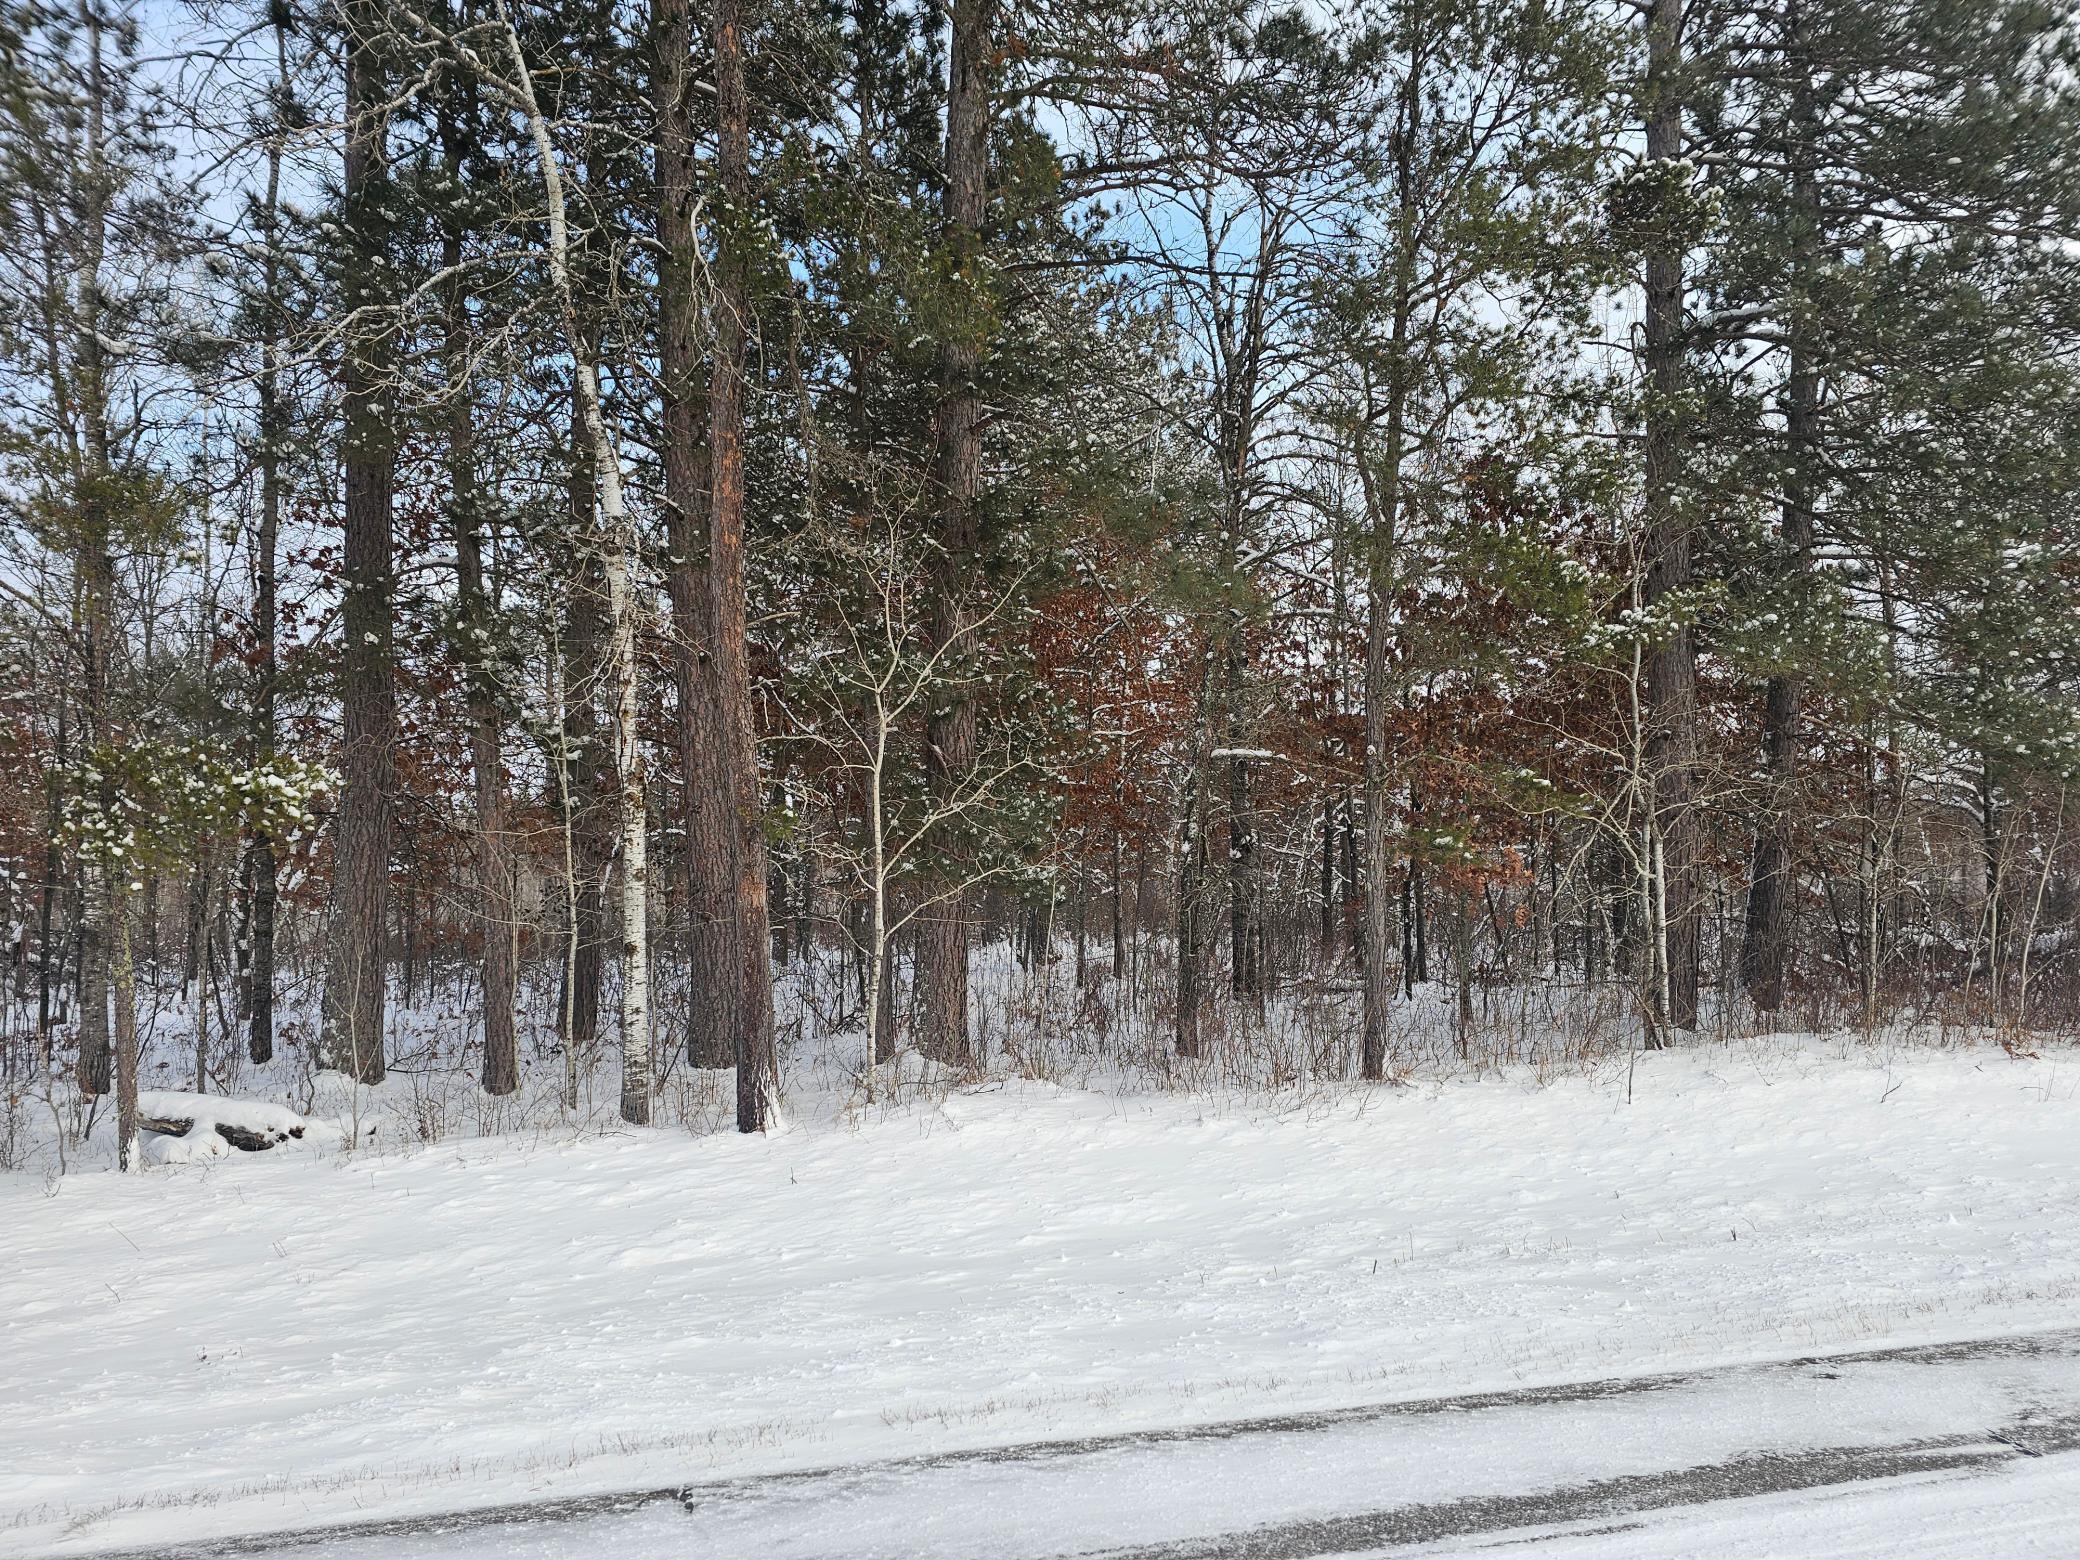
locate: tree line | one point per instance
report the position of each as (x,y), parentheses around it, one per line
(611,501)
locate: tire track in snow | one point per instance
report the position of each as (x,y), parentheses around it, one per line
(1398,1525)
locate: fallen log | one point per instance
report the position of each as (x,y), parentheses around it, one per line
(249,1139)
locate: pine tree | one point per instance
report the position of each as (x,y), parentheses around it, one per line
(1490,156)
(1879,165)
(353,1034)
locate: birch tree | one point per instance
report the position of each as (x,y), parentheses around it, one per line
(500,61)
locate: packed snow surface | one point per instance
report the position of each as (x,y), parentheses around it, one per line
(1535,1474)
(275,1340)
(2022,1511)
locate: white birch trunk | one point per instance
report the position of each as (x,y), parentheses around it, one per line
(617,547)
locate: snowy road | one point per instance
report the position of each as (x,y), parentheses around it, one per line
(1950,1450)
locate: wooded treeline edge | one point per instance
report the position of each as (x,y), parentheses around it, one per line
(611,499)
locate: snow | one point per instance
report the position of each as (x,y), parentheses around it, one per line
(202,1141)
(2018,1512)
(276,1340)
(1390,1478)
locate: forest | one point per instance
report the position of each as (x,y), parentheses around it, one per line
(646,555)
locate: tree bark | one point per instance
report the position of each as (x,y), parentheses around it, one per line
(1245,892)
(1379,863)
(98,891)
(258,945)
(96,572)
(351,1036)
(1765,944)
(943,934)
(758,1080)
(1325,905)
(123,979)
(1670,671)
(714,959)
(1380,884)
(1381,484)
(1119,918)
(584,651)
(1191,873)
(47,895)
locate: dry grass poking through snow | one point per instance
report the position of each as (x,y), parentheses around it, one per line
(1035,1025)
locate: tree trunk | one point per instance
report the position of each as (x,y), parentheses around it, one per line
(96,574)
(942,934)
(1379,862)
(615,548)
(586,807)
(1119,918)
(96,1060)
(1671,662)
(1245,916)
(473,601)
(46,898)
(123,979)
(632,811)
(1325,907)
(1992,922)
(494,872)
(758,1082)
(1191,954)
(351,1037)
(257,950)
(713,957)
(1765,944)
(1191,873)
(97,888)
(878,1002)
(1383,497)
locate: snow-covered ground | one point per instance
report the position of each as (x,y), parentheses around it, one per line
(1575,1472)
(2021,1512)
(306,1336)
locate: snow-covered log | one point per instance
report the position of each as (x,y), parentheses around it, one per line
(205,1125)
